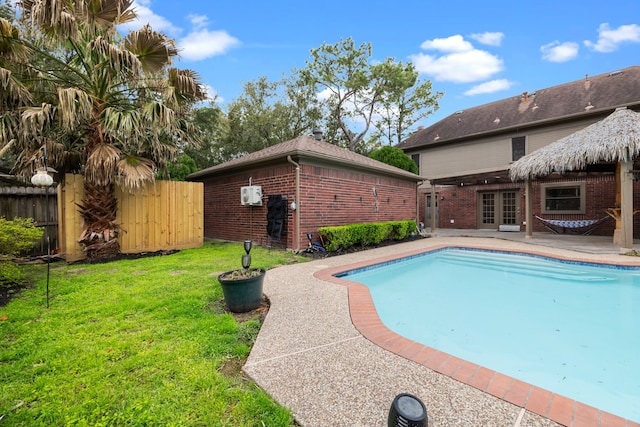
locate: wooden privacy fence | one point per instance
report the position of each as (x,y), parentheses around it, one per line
(31,202)
(166,215)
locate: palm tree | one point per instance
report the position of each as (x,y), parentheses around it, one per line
(108,106)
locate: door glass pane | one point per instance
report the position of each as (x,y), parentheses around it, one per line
(428,207)
(509,207)
(488,208)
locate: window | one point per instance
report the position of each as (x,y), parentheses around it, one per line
(563,198)
(416,160)
(517,147)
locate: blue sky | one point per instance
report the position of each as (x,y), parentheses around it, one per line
(475,52)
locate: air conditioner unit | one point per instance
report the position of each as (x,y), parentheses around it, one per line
(251,195)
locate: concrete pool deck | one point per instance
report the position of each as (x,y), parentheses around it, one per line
(323,353)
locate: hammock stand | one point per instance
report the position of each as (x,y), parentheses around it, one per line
(588,225)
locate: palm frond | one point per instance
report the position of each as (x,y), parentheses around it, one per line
(134,172)
(108,13)
(117,59)
(154,50)
(119,121)
(34,120)
(53,16)
(11,49)
(13,91)
(187,86)
(158,114)
(75,107)
(101,164)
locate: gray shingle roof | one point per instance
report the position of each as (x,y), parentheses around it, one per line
(305,147)
(599,94)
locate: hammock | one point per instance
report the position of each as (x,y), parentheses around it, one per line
(588,224)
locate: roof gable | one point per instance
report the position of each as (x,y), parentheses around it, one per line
(305,146)
(591,95)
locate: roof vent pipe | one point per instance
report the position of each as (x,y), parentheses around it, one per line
(317,134)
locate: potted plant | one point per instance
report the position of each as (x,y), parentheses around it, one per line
(242,288)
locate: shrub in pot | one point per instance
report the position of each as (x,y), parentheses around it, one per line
(242,288)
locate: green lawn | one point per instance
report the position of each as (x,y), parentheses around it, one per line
(142,342)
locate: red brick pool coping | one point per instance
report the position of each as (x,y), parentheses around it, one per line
(553,406)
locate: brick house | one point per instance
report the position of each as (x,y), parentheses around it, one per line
(277,195)
(467,155)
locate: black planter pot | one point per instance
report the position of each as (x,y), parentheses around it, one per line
(242,295)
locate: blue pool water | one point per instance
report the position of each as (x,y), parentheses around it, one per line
(571,328)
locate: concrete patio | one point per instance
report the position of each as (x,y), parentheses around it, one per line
(311,358)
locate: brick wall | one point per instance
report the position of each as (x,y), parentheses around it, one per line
(328,196)
(226,219)
(461,204)
(338,197)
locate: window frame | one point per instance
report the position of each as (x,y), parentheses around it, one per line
(518,140)
(416,159)
(581,185)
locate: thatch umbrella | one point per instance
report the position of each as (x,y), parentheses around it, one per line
(613,139)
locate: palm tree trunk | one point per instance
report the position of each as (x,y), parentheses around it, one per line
(98,210)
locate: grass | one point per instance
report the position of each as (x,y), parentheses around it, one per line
(142,342)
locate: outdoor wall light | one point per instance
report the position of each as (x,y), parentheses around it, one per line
(407,411)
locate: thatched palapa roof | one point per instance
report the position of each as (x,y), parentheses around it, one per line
(613,139)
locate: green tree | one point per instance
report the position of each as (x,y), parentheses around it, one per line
(181,167)
(410,101)
(268,113)
(357,92)
(395,157)
(212,126)
(109,106)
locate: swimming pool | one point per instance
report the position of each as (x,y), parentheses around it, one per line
(569,327)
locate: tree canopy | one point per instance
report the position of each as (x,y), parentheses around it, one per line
(356,102)
(395,157)
(268,113)
(359,93)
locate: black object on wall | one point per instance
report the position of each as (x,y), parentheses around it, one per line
(276,214)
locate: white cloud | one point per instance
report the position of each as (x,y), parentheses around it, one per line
(146,16)
(325,94)
(490,87)
(609,40)
(460,62)
(212,95)
(451,44)
(202,44)
(463,67)
(199,44)
(559,52)
(488,38)
(198,21)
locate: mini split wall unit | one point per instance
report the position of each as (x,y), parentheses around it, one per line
(251,195)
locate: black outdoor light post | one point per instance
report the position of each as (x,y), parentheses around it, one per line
(44,180)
